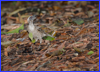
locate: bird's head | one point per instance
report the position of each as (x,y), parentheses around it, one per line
(31,18)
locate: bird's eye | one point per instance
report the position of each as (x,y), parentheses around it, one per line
(30,18)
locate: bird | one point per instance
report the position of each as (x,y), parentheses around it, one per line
(36,31)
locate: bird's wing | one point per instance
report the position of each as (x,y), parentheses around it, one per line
(40,30)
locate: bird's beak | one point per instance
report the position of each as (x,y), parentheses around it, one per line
(33,17)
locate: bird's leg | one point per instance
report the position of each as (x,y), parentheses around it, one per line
(36,40)
(40,44)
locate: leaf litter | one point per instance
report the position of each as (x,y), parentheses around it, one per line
(75,46)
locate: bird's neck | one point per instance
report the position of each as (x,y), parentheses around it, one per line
(31,25)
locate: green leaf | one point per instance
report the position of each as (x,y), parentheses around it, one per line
(16,30)
(78,50)
(78,21)
(30,36)
(90,52)
(33,41)
(48,38)
(3,32)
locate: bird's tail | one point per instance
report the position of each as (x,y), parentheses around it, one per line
(47,35)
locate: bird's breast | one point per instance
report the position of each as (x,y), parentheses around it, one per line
(31,27)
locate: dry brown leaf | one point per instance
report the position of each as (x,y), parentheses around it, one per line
(9,21)
(63,33)
(78,50)
(10,26)
(78,44)
(16,11)
(95,38)
(91,6)
(22,43)
(80,13)
(88,66)
(78,58)
(90,61)
(83,40)
(7,67)
(68,14)
(15,68)
(56,8)
(20,18)
(9,49)
(52,13)
(96,59)
(5,52)
(28,67)
(25,63)
(34,67)
(84,30)
(24,33)
(56,52)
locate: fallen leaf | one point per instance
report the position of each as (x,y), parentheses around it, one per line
(78,50)
(80,13)
(90,6)
(31,37)
(16,11)
(16,30)
(79,21)
(48,38)
(90,13)
(34,67)
(5,44)
(90,52)
(54,33)
(33,41)
(10,26)
(56,7)
(7,67)
(5,52)
(55,53)
(78,58)
(52,13)
(58,51)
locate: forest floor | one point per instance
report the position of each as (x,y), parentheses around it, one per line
(74,25)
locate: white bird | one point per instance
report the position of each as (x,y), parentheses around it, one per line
(37,32)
